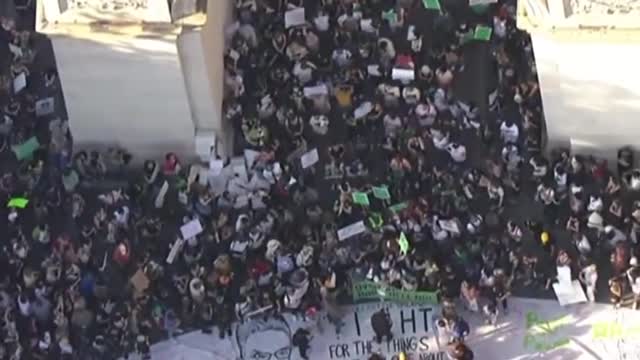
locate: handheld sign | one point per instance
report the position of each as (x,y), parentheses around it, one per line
(351,230)
(404,243)
(381,192)
(399,207)
(20,203)
(360,198)
(482,33)
(26,149)
(309,158)
(294,17)
(432,4)
(191,229)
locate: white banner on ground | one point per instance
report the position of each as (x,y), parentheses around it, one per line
(533,329)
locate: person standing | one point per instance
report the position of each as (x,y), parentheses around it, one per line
(589,277)
(302,339)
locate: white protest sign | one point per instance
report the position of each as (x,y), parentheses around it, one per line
(215,167)
(374,70)
(402,74)
(569,293)
(366,25)
(177,246)
(564,274)
(205,143)
(309,158)
(161,195)
(351,230)
(449,225)
(19,83)
(311,91)
(533,329)
(481,2)
(191,229)
(294,17)
(45,106)
(261,333)
(363,110)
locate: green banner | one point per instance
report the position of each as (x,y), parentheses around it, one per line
(367,290)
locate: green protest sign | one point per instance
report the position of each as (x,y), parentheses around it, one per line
(432,4)
(381,192)
(26,149)
(376,221)
(367,290)
(482,33)
(399,207)
(404,243)
(18,203)
(360,198)
(390,15)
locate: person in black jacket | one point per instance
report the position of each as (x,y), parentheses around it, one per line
(302,339)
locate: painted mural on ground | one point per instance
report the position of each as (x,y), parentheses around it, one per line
(533,329)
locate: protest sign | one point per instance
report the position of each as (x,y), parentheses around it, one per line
(482,33)
(26,149)
(45,106)
(404,243)
(19,83)
(367,290)
(403,74)
(381,192)
(177,246)
(311,91)
(20,203)
(481,2)
(351,230)
(294,17)
(215,167)
(360,198)
(309,158)
(191,229)
(569,293)
(399,207)
(159,202)
(432,4)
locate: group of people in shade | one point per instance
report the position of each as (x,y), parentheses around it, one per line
(404,184)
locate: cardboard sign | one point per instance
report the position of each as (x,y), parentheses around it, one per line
(191,229)
(309,158)
(45,106)
(351,230)
(294,17)
(19,83)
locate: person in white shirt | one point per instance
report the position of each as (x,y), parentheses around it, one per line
(633,275)
(589,277)
(509,131)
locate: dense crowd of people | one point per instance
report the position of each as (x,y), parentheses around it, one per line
(361,164)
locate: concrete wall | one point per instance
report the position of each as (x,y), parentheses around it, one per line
(591,94)
(125,90)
